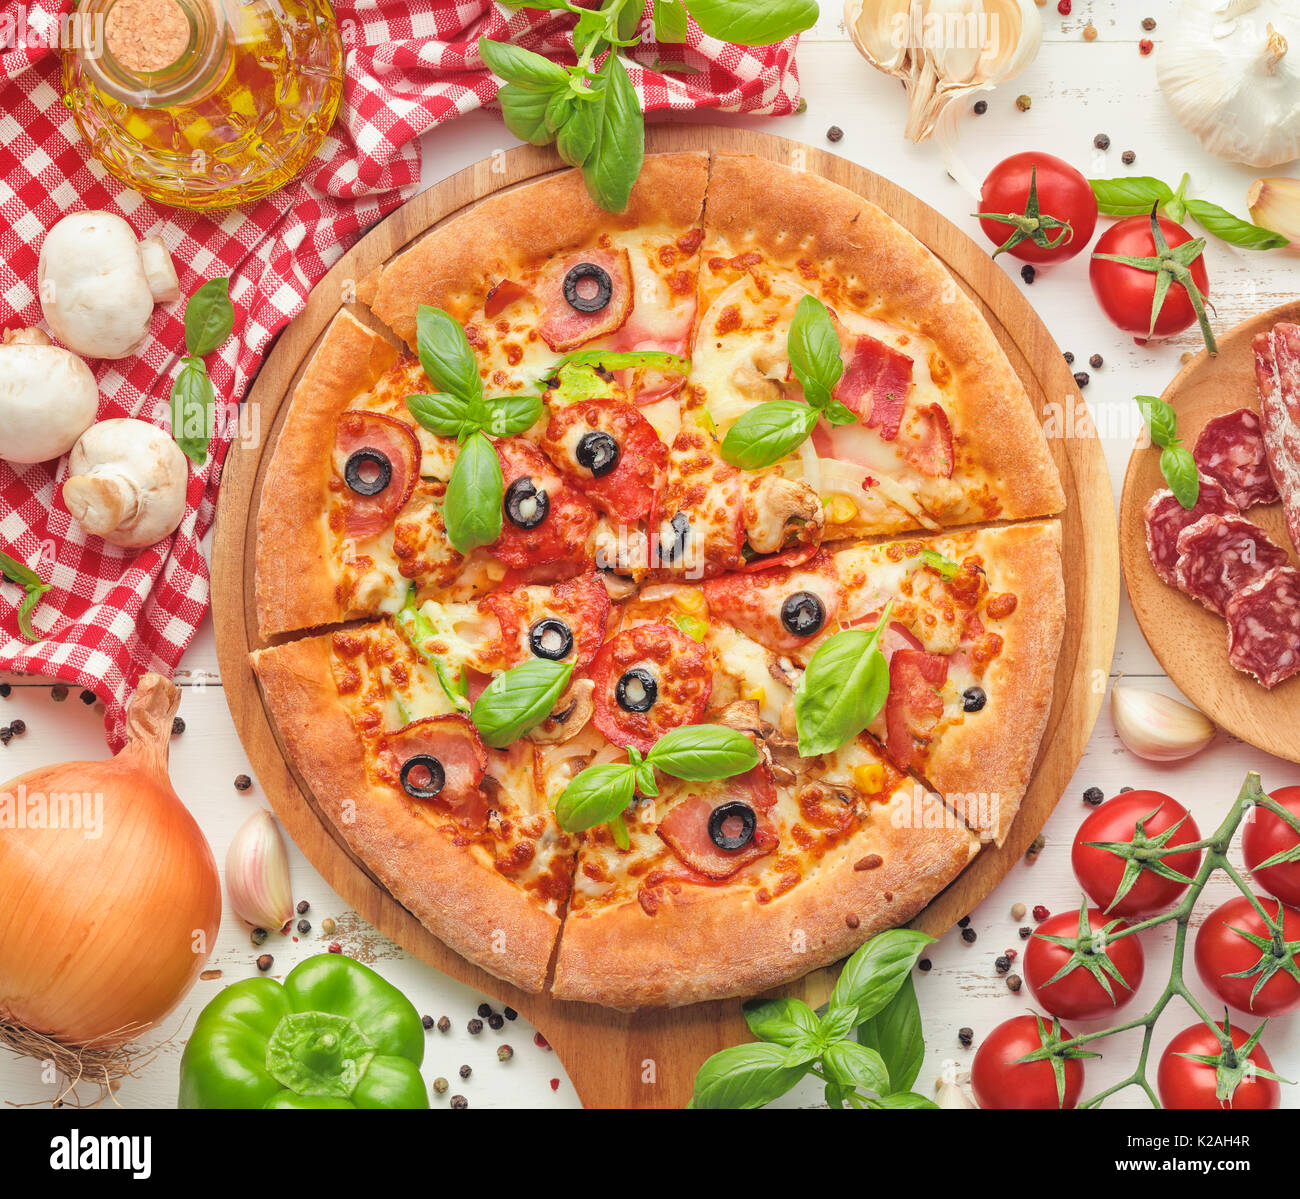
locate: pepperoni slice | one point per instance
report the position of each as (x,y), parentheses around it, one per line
(795,556)
(689,828)
(443,757)
(564,623)
(785,608)
(914,706)
(611,453)
(502,295)
(649,679)
(378,460)
(876,382)
(566,327)
(546,522)
(931,450)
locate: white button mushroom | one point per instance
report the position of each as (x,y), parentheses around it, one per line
(98,285)
(127,482)
(48,397)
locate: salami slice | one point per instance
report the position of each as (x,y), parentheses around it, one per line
(1219,555)
(1166,518)
(1264,627)
(1231,450)
(1277,368)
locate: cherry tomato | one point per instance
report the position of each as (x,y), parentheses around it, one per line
(1126,293)
(1099,871)
(1063,195)
(1000,1080)
(1267,835)
(1184,1084)
(1221,951)
(1079,995)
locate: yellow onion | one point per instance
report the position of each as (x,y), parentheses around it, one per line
(107,919)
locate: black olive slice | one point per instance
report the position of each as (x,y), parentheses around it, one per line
(598,452)
(973,699)
(367,471)
(550,639)
(637,690)
(423,776)
(671,551)
(526,506)
(725,815)
(803,614)
(588,287)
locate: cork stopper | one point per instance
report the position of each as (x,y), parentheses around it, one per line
(146,35)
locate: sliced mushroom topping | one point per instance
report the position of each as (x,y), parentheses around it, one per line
(785,671)
(743,716)
(774,505)
(572,711)
(754,386)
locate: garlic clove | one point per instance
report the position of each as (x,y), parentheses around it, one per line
(1275,204)
(257,874)
(950,1090)
(1157,727)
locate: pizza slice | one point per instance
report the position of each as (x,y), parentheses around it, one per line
(933,428)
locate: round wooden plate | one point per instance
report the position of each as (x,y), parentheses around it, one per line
(1191,643)
(650,1058)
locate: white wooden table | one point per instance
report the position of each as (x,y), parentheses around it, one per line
(1079,89)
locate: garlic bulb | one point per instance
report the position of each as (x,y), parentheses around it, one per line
(1156,727)
(944,50)
(1230,70)
(257,874)
(1275,204)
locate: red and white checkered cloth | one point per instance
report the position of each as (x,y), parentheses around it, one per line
(411,65)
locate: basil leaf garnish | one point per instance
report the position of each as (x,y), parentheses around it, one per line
(1179,469)
(894,1032)
(784,1021)
(523,68)
(619,148)
(524,112)
(703,753)
(209,317)
(518,700)
(842,691)
(767,433)
(745,1076)
(30,581)
(472,509)
(445,415)
(1130,196)
(753,24)
(446,355)
(596,796)
(854,1065)
(875,973)
(814,349)
(1232,229)
(192,405)
(508,416)
(1161,419)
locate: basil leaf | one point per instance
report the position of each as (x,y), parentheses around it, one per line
(619,148)
(785,1021)
(670,22)
(1131,196)
(1234,230)
(945,567)
(577,136)
(814,349)
(446,355)
(744,1076)
(839,414)
(1179,469)
(629,20)
(192,402)
(908,1100)
(522,67)
(703,752)
(767,433)
(751,24)
(875,973)
(22,575)
(508,416)
(518,700)
(472,509)
(595,796)
(209,317)
(1161,419)
(524,112)
(854,1065)
(842,690)
(614,360)
(442,414)
(17,572)
(894,1032)
(25,610)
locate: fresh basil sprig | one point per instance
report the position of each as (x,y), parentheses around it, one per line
(209,320)
(31,582)
(1138,194)
(1176,462)
(519,699)
(771,430)
(842,690)
(866,1049)
(592,112)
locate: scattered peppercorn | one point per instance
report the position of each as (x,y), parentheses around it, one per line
(924,965)
(1010,954)
(304,926)
(1082,378)
(5,690)
(1027,273)
(440,1086)
(303,907)
(981,107)
(334,947)
(1036,847)
(18,728)
(1024,103)
(59,694)
(265,962)
(968,935)
(1013,983)
(1145,46)
(510,1013)
(966,1036)
(963,922)
(496,1022)
(1128,158)
(1017,911)
(327,925)
(802,106)
(1096,362)
(475,1027)
(1148,23)
(459,1102)
(6,735)
(1093,796)
(834,134)
(540,1041)
(1090,32)
(1064,7)
(88,697)
(1040,913)
(178,726)
(485,1010)
(1069,358)
(1026,932)
(427,1021)
(1101,141)
(258,936)
(444,1023)
(465,1072)
(1125,790)
(504,1053)
(1002,964)
(242,782)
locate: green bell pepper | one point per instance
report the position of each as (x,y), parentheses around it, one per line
(334,1035)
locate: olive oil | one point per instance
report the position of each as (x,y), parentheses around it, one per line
(204,103)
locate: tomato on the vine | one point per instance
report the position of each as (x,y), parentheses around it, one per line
(1037,208)
(1268,965)
(1000,1080)
(1185,1083)
(1267,835)
(1133,867)
(1080,973)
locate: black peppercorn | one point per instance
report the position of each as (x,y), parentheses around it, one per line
(963,922)
(1096,362)
(1101,141)
(475,1027)
(265,962)
(304,926)
(1122,790)
(303,907)
(88,697)
(465,1072)
(1148,23)
(485,1010)
(18,728)
(1094,796)
(1002,964)
(966,1036)
(834,133)
(258,936)
(1013,983)
(444,1024)
(1082,379)
(496,1022)
(59,694)
(981,107)
(5,690)
(510,1014)
(178,726)
(242,782)
(427,1021)
(459,1102)
(1026,932)
(1069,358)
(1027,273)
(924,965)
(1128,158)
(6,734)
(968,935)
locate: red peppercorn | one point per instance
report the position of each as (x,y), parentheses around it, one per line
(335,947)
(555,1084)
(1010,954)
(1146,45)
(1040,913)
(1064,6)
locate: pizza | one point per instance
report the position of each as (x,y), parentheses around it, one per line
(661,603)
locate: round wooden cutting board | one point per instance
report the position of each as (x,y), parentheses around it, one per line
(649,1059)
(1190,642)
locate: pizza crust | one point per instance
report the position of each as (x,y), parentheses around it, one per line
(474,910)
